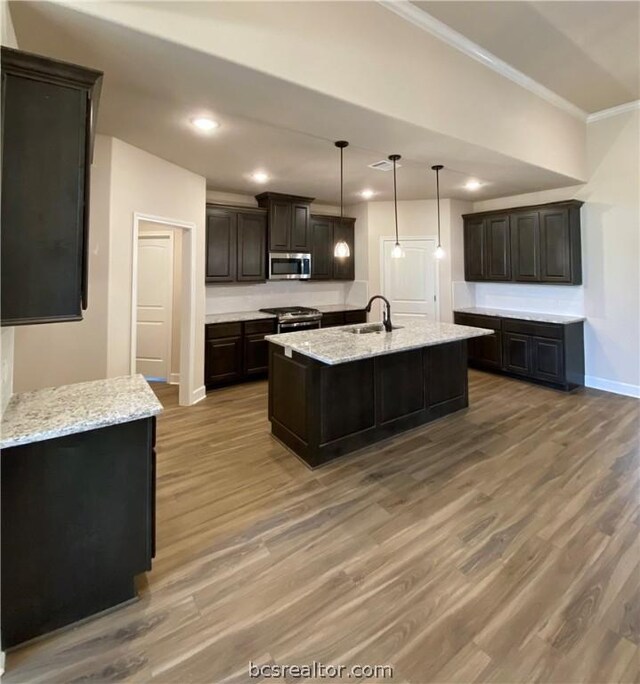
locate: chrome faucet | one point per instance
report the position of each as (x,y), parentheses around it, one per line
(386,313)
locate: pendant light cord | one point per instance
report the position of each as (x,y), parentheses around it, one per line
(395,199)
(438,196)
(341,186)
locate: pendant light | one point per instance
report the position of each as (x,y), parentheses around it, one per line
(397,252)
(341,248)
(439,253)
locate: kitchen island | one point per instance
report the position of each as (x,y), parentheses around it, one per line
(337,390)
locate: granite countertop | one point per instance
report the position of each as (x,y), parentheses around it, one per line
(236,316)
(58,411)
(338,345)
(522,315)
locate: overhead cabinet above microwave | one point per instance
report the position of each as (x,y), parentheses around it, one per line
(288,221)
(534,244)
(48,118)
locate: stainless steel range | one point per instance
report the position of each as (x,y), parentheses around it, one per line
(295,318)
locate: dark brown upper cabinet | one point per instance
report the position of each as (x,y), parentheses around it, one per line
(236,245)
(533,244)
(325,232)
(288,221)
(48,123)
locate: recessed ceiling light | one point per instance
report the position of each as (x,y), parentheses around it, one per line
(260,176)
(205,123)
(472,184)
(367,194)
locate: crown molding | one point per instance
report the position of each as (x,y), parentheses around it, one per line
(427,22)
(614,111)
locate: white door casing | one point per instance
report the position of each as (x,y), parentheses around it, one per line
(411,282)
(154,304)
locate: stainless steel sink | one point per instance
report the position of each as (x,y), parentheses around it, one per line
(370,328)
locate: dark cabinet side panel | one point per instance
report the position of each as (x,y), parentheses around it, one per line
(221,246)
(401,386)
(446,374)
(498,245)
(321,248)
(252,246)
(474,250)
(525,247)
(555,252)
(43,195)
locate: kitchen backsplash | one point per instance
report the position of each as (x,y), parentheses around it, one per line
(560,299)
(231,298)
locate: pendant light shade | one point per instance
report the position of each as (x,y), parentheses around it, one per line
(341,248)
(397,252)
(439,253)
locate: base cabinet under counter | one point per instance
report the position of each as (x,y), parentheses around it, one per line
(547,353)
(236,351)
(336,318)
(78,524)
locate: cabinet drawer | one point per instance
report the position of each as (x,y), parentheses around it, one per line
(217,330)
(532,328)
(262,326)
(477,321)
(355,317)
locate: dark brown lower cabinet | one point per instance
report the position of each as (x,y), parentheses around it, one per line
(335,318)
(323,411)
(78,524)
(547,353)
(236,351)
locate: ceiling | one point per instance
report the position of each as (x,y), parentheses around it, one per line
(152,88)
(587,52)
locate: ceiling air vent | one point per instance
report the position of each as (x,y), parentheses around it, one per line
(383,165)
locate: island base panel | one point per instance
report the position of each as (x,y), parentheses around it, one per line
(324,411)
(77,526)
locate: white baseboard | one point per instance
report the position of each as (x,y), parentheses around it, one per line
(174,378)
(612,386)
(199,394)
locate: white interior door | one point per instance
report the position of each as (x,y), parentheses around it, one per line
(409,283)
(154,304)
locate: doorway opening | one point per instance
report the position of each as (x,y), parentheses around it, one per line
(411,283)
(163,326)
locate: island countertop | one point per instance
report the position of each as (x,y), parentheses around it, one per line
(58,411)
(339,345)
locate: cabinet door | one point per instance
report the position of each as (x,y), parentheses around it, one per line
(525,247)
(252,247)
(498,256)
(300,241)
(344,267)
(321,248)
(221,246)
(223,360)
(256,355)
(517,353)
(555,252)
(43,200)
(474,249)
(280,217)
(547,359)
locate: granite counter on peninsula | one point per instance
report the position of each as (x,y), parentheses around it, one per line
(333,391)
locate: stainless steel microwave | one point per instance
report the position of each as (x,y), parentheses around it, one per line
(289,266)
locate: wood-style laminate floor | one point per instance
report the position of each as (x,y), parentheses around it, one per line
(499,544)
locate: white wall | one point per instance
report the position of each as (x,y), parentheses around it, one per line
(610,295)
